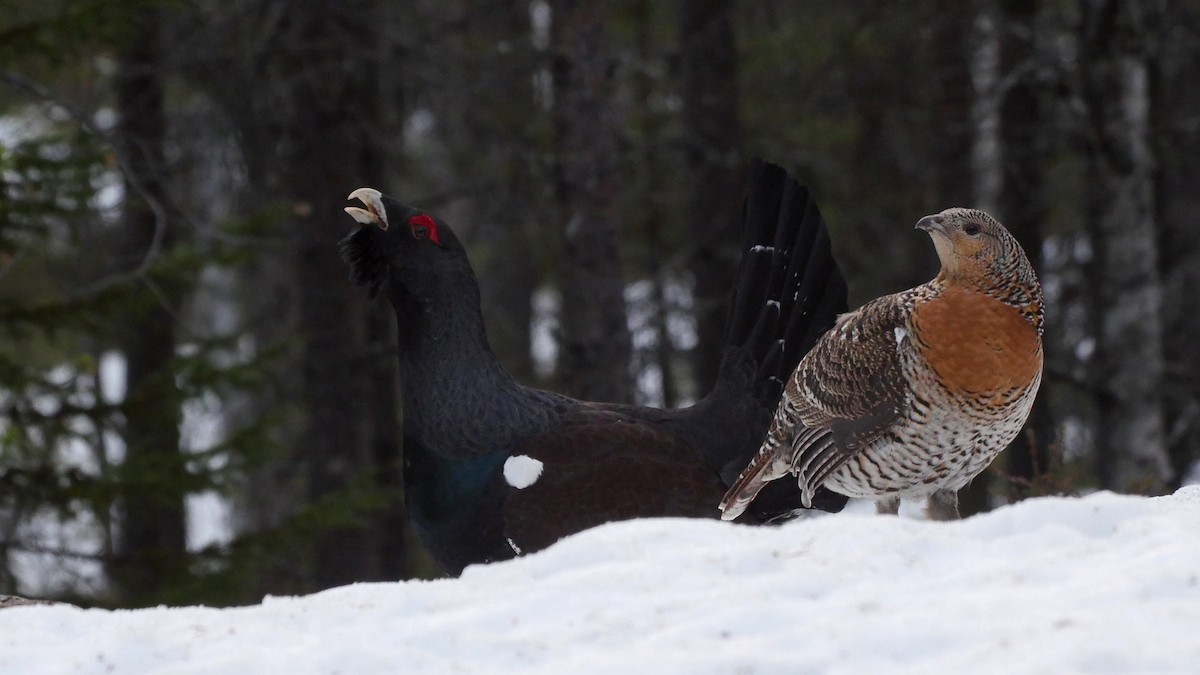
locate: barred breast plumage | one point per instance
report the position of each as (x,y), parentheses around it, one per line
(914,394)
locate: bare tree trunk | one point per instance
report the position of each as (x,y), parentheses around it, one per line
(951,28)
(987,164)
(712,143)
(1128,363)
(1021,201)
(1176,125)
(594,355)
(150,555)
(309,99)
(329,108)
(245,86)
(654,167)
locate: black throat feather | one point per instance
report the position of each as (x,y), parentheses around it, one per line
(368,264)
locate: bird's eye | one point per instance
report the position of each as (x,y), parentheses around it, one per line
(424,227)
(971,229)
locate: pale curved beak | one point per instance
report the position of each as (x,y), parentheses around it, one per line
(374,214)
(931,224)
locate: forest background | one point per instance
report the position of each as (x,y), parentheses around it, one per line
(197,407)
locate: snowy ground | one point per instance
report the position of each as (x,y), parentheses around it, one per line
(1103,584)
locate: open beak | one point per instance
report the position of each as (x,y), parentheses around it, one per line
(374,214)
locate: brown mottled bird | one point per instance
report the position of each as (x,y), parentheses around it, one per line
(913,394)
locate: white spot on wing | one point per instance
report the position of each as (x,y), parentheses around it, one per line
(513,545)
(900,334)
(521,471)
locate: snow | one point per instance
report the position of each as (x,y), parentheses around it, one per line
(1105,584)
(521,471)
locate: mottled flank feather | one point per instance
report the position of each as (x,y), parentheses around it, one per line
(914,394)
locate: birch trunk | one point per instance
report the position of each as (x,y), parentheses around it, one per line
(1127,289)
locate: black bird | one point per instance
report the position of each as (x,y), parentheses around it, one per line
(494,469)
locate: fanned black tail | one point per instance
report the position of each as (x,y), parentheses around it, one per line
(787,293)
(788,289)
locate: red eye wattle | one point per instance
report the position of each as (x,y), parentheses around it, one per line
(423,226)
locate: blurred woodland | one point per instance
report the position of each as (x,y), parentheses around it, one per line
(196,406)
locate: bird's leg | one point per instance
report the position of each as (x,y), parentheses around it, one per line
(942,505)
(887,506)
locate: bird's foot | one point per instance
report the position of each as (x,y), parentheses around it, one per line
(942,505)
(888,506)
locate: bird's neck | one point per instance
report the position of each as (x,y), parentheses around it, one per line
(1023,295)
(454,388)
(444,348)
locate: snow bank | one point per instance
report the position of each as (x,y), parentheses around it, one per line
(1103,584)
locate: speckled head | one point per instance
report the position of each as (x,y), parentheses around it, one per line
(978,252)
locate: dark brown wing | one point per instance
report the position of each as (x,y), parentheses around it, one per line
(646,473)
(849,390)
(844,395)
